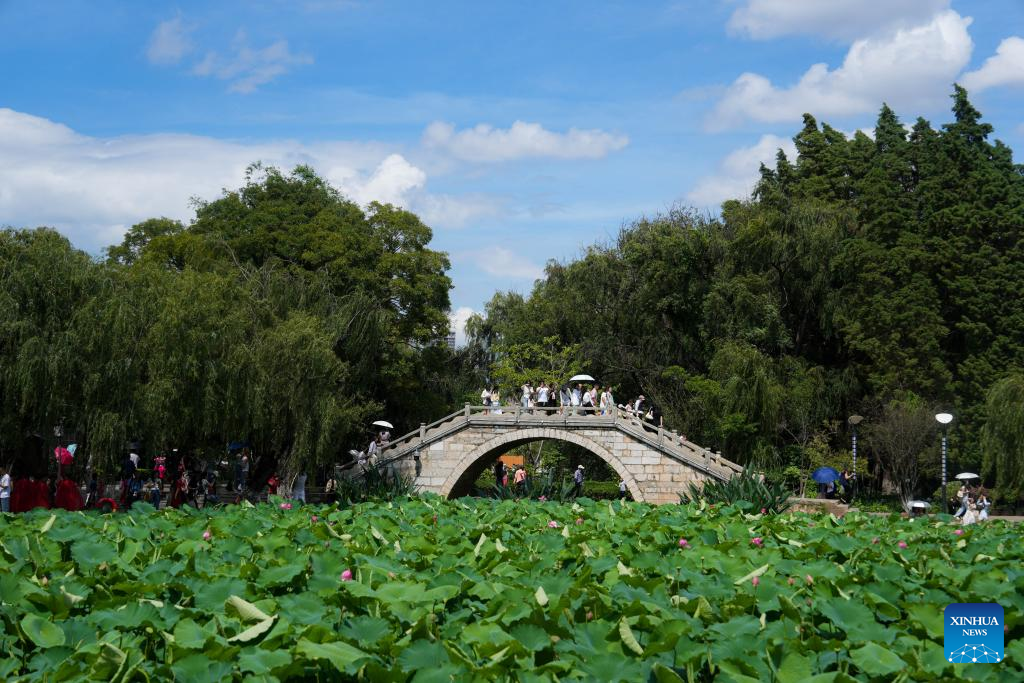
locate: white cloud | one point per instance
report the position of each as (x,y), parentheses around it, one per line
(458,319)
(1005,67)
(93,188)
(840,19)
(247,68)
(502,262)
(455,212)
(484,143)
(910,67)
(170,42)
(737,173)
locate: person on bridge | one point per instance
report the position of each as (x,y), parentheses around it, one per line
(577,479)
(542,396)
(565,400)
(485,400)
(575,398)
(587,401)
(496,401)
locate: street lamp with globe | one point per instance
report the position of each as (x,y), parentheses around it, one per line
(944,419)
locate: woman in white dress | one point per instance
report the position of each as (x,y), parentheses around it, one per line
(971,516)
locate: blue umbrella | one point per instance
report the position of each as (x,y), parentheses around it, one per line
(825,475)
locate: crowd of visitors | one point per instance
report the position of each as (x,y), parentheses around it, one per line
(579,399)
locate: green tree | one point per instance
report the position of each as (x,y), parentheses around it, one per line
(1003,436)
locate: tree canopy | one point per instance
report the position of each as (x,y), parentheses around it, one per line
(863,276)
(283,315)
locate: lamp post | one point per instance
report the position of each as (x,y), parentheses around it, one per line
(944,419)
(854,420)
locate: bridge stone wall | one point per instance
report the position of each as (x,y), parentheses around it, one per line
(448,465)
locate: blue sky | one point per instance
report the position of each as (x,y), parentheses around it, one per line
(521,132)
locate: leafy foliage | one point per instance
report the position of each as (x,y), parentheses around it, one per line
(746,490)
(862,272)
(1003,436)
(466,589)
(283,315)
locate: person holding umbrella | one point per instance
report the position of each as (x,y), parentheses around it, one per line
(825,478)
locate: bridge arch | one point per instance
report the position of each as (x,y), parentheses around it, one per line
(472,464)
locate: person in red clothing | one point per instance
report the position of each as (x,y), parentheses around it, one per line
(180,490)
(272,484)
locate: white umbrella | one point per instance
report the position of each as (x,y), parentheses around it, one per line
(967,475)
(918,504)
(382,423)
(581,378)
(353,452)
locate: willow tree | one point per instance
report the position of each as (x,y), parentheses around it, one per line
(1002,437)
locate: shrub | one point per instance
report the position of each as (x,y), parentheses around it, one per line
(746,490)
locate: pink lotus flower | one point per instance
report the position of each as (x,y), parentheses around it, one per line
(764,511)
(901,545)
(810,579)
(757,540)
(542,498)
(683,543)
(207,535)
(286,506)
(958,532)
(579,520)
(553,524)
(314,519)
(874,540)
(435,519)
(790,581)
(754,581)
(346,575)
(590,615)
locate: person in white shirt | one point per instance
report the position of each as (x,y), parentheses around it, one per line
(576,398)
(485,400)
(527,391)
(5,490)
(542,395)
(606,402)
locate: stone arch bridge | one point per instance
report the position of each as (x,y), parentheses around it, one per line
(447,457)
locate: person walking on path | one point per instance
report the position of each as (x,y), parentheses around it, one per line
(499,473)
(983,505)
(5,490)
(622,489)
(520,480)
(963,495)
(577,479)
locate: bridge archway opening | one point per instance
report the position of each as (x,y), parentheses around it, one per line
(463,478)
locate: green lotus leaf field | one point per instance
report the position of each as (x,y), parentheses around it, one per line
(427,589)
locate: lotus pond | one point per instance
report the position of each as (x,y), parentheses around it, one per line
(427,589)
